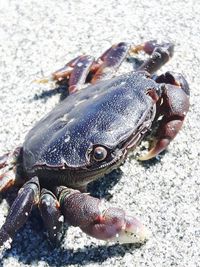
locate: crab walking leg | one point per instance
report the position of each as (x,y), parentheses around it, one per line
(104,67)
(65,71)
(7,180)
(4,160)
(28,196)
(10,158)
(62,73)
(97,220)
(85,67)
(51,215)
(149,46)
(79,73)
(8,163)
(75,71)
(110,61)
(175,105)
(160,53)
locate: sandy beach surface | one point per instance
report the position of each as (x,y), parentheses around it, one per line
(38,37)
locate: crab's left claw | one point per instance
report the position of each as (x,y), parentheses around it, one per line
(174,107)
(97,220)
(166,132)
(158,147)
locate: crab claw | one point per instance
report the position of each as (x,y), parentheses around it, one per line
(115,226)
(132,232)
(97,220)
(158,147)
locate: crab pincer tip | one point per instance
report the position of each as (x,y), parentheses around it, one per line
(132,232)
(151,154)
(159,146)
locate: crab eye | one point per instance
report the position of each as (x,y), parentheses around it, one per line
(99,153)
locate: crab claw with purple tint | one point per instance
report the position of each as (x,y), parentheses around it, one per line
(98,220)
(114,226)
(133,231)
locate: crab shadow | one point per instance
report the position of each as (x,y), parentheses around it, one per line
(58,257)
(61,88)
(101,187)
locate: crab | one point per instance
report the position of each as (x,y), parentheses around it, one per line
(90,133)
